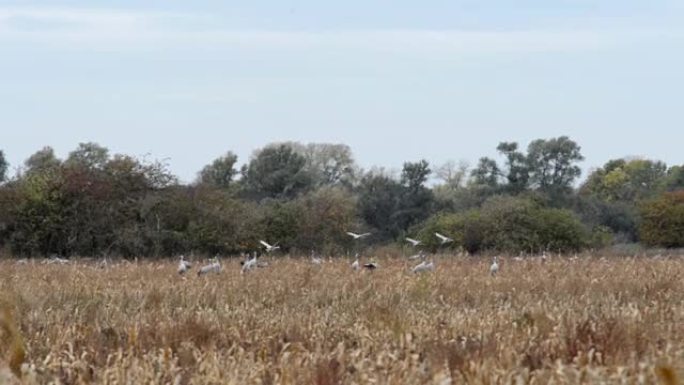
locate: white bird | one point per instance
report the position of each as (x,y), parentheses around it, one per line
(519,258)
(543,257)
(423,267)
(315,260)
(420,255)
(214,267)
(355,264)
(358,236)
(414,242)
(268,247)
(55,259)
(183,265)
(443,239)
(494,268)
(250,263)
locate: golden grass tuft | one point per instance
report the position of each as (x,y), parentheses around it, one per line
(594,320)
(11,343)
(667,375)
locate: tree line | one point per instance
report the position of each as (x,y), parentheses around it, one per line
(306,196)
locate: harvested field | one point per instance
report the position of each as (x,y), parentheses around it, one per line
(591,320)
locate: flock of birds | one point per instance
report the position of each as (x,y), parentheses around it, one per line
(251,262)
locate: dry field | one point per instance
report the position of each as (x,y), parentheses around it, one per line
(593,320)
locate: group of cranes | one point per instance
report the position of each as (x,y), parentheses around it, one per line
(443,239)
(213,267)
(251,262)
(356,265)
(420,255)
(424,266)
(184,266)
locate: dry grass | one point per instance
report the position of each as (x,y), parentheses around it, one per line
(588,321)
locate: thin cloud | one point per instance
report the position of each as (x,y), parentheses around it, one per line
(75,28)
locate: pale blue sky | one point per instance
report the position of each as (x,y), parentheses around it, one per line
(395,80)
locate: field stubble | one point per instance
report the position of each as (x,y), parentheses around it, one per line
(610,320)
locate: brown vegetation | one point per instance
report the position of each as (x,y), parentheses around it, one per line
(589,320)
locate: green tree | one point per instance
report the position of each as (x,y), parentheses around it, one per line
(518,171)
(326,163)
(618,216)
(279,222)
(219,223)
(453,175)
(327,214)
(330,164)
(662,220)
(42,160)
(520,223)
(486,173)
(9,200)
(553,164)
(40,223)
(627,180)
(87,207)
(414,175)
(277,172)
(391,207)
(467,228)
(415,203)
(378,199)
(3,167)
(88,155)
(509,224)
(675,179)
(220,172)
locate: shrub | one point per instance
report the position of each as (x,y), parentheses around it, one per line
(511,224)
(466,228)
(662,221)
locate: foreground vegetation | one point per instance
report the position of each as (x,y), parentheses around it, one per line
(586,320)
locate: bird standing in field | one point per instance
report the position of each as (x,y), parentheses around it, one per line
(183,265)
(54,258)
(357,236)
(214,267)
(443,239)
(424,266)
(420,255)
(250,263)
(355,265)
(268,247)
(315,260)
(414,242)
(494,267)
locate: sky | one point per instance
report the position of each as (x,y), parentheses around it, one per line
(186,81)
